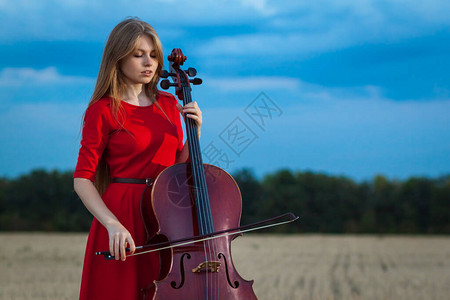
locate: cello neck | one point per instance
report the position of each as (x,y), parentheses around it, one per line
(183,91)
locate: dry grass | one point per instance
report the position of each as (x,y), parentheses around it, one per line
(48,266)
(347,267)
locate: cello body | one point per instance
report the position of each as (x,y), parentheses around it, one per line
(196,271)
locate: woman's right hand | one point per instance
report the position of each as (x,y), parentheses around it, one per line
(119,239)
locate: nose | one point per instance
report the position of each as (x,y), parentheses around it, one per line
(147,60)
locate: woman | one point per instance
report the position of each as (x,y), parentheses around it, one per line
(131,131)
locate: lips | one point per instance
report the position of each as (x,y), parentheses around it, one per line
(147,73)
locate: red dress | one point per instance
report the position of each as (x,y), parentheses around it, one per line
(144,145)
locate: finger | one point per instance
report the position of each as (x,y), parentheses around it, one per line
(192,116)
(193,112)
(111,245)
(132,245)
(123,254)
(197,119)
(192,104)
(116,247)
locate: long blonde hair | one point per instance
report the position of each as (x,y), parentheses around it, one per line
(122,42)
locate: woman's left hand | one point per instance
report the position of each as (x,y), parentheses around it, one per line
(191,110)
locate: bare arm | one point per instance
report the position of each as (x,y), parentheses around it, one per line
(118,234)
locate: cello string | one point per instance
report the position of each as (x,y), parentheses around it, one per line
(193,149)
(201,202)
(206,208)
(204,204)
(203,207)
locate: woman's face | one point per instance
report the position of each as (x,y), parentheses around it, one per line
(140,66)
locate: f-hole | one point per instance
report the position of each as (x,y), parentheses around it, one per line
(173,283)
(236,283)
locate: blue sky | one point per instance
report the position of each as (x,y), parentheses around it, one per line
(354,88)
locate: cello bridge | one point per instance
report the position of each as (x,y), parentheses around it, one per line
(213,266)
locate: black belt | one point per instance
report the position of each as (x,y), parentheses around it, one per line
(147,181)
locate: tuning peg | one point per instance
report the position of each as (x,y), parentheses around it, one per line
(191,72)
(165,84)
(165,74)
(196,81)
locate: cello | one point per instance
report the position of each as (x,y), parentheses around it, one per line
(194,199)
(192,217)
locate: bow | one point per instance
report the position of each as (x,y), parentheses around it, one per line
(289,217)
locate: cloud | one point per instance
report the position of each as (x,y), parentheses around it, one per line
(47,76)
(261,6)
(304,28)
(259,83)
(355,20)
(91,20)
(292,85)
(289,85)
(296,45)
(357,132)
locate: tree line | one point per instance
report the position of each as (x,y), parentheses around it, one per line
(45,201)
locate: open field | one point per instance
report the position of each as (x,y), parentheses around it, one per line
(48,266)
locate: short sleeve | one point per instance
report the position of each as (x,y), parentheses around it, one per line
(95,134)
